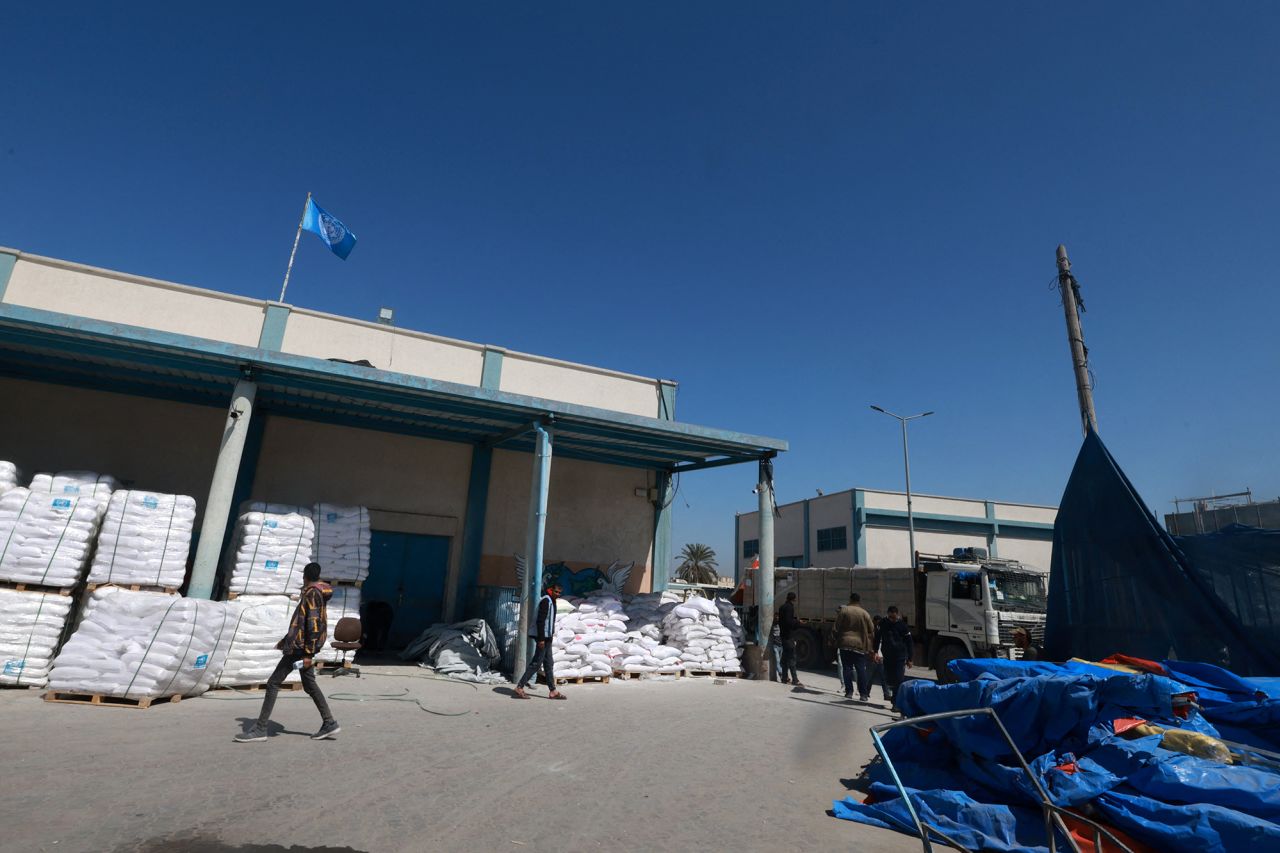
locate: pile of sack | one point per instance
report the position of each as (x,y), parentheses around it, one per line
(46,538)
(145,645)
(83,483)
(708,635)
(10,476)
(591,634)
(260,623)
(145,539)
(273,545)
(31,625)
(345,601)
(342,541)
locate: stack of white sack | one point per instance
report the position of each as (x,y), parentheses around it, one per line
(644,637)
(145,539)
(46,539)
(342,541)
(273,546)
(84,483)
(591,635)
(10,476)
(345,601)
(31,625)
(145,645)
(708,635)
(261,621)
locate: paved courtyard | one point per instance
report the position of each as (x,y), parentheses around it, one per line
(684,765)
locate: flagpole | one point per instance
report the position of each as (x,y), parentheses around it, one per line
(296,237)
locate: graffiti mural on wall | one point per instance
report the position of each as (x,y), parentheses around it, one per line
(579,582)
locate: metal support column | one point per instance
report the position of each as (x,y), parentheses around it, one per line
(534,542)
(222,490)
(764,593)
(662,532)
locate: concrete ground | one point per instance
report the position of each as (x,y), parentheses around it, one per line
(646,766)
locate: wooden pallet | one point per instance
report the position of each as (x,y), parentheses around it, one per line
(35,587)
(106,701)
(711,673)
(576,679)
(256,688)
(327,665)
(632,676)
(232,596)
(135,587)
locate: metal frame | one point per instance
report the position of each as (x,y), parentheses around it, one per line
(1052,812)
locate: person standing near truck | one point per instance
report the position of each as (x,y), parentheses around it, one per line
(788,623)
(893,645)
(855,638)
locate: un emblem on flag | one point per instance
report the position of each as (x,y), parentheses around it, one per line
(333,229)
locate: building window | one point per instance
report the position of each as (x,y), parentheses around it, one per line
(833,539)
(750,547)
(796,562)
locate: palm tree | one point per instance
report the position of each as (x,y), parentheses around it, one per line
(697,564)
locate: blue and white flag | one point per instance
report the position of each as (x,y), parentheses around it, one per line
(335,235)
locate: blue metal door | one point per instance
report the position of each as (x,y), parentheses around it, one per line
(407,571)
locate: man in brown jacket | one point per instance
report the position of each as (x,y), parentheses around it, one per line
(855,637)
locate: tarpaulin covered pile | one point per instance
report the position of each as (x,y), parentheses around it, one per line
(1170,756)
(465,651)
(1119,581)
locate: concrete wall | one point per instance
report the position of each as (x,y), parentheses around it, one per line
(922,504)
(1260,514)
(387,348)
(49,284)
(831,511)
(890,548)
(120,298)
(593,518)
(1031,552)
(558,380)
(147,444)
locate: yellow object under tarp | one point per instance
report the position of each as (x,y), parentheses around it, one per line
(1190,743)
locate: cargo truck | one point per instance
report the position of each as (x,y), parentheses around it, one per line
(961,605)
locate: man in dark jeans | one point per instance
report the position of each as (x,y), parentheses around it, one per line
(307,633)
(855,637)
(894,644)
(788,623)
(542,632)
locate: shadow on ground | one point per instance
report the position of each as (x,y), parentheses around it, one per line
(189,843)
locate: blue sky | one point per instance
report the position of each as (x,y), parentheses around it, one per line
(796,210)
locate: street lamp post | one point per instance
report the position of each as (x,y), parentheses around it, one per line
(906,463)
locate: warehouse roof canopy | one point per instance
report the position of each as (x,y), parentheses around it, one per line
(52,346)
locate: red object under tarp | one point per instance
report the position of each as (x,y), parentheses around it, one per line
(1120,725)
(1083,835)
(1137,663)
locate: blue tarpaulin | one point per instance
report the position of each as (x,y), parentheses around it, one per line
(1063,717)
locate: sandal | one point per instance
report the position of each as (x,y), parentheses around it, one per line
(557,695)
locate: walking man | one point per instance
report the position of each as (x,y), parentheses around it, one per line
(307,632)
(855,638)
(894,646)
(788,623)
(775,649)
(541,632)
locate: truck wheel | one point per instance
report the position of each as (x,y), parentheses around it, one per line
(945,655)
(808,650)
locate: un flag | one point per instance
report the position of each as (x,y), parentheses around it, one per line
(335,235)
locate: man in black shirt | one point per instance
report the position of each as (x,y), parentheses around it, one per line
(788,623)
(894,644)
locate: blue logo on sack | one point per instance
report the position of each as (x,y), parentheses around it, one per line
(71,490)
(333,516)
(61,503)
(201,662)
(14,667)
(268,524)
(150,502)
(272,565)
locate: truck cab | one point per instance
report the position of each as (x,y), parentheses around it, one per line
(972,604)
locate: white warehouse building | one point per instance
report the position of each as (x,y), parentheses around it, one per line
(183,390)
(868,527)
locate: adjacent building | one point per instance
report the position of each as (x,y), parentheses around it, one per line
(868,527)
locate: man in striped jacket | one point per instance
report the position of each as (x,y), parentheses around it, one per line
(304,640)
(541,632)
